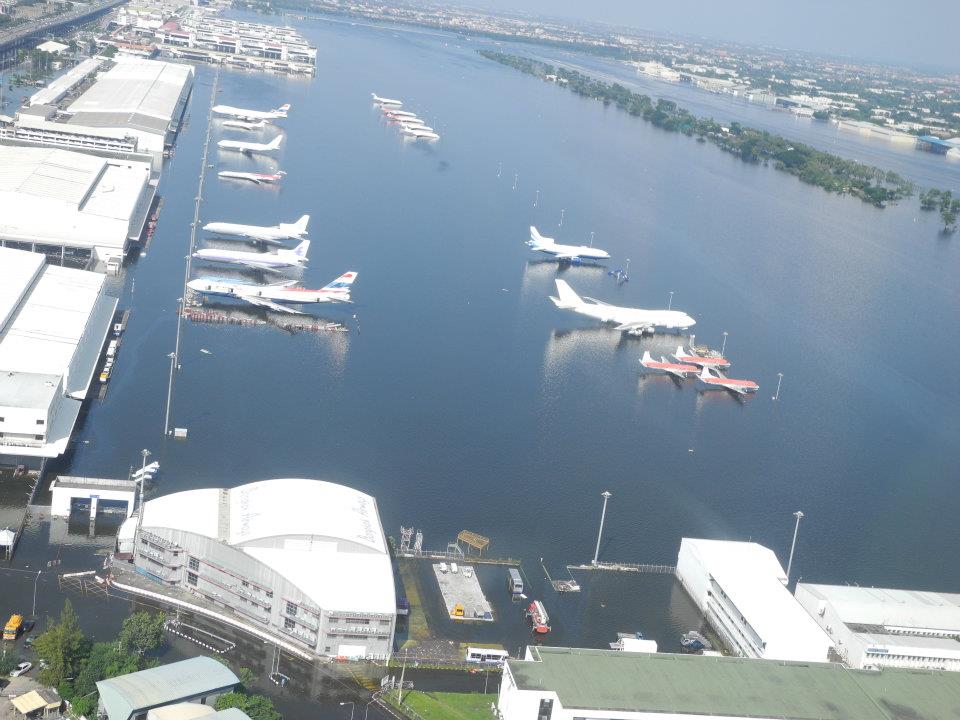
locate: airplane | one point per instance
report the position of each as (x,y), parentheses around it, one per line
(397,114)
(273,235)
(682,356)
(270,296)
(248,148)
(631,320)
(570,253)
(244,114)
(280,260)
(244,125)
(719,382)
(419,134)
(384,102)
(678,370)
(257,178)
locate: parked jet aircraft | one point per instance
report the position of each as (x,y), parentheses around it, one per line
(280,260)
(678,370)
(632,320)
(682,356)
(271,296)
(252,115)
(249,148)
(273,235)
(719,382)
(571,253)
(244,125)
(256,178)
(385,102)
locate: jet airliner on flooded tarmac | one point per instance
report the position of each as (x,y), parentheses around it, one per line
(570,253)
(385,102)
(273,235)
(252,115)
(631,320)
(719,382)
(270,296)
(249,148)
(678,370)
(280,260)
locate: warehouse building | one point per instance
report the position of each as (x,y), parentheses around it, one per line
(174,688)
(78,209)
(878,627)
(53,324)
(573,683)
(144,98)
(740,587)
(303,559)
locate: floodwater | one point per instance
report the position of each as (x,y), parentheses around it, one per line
(462,398)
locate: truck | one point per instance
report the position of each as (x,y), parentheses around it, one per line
(12,629)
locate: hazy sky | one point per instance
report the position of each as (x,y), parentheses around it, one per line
(919,32)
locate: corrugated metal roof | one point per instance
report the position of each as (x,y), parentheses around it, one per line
(49,173)
(163,685)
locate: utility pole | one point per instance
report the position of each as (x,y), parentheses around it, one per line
(779,382)
(603,514)
(670,302)
(799,516)
(724,346)
(403,670)
(35,581)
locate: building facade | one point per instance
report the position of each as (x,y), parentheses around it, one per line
(305,559)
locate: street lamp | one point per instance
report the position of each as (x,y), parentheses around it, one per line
(351,704)
(724,346)
(670,304)
(606,496)
(35,580)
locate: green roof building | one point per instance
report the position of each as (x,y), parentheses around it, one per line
(197,680)
(571,683)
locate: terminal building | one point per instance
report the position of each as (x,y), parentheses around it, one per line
(553,683)
(53,324)
(741,589)
(302,559)
(881,628)
(78,209)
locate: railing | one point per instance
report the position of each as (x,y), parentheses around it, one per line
(627,567)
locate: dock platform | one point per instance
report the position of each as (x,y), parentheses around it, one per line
(457,588)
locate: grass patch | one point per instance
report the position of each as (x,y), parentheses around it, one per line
(417,620)
(446,706)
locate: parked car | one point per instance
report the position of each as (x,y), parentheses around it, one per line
(28,625)
(21,669)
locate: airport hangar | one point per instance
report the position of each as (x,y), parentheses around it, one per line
(53,324)
(305,560)
(78,209)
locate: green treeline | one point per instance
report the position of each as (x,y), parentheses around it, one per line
(812,166)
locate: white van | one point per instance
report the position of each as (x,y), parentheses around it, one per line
(453,568)
(443,567)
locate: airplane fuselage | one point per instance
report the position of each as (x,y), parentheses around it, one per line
(274,234)
(667,319)
(265,261)
(572,252)
(245,147)
(278,294)
(248,115)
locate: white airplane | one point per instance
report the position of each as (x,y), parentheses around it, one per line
(632,320)
(271,296)
(397,114)
(252,115)
(385,102)
(248,148)
(719,382)
(682,356)
(257,178)
(244,125)
(419,134)
(273,235)
(570,253)
(280,260)
(679,370)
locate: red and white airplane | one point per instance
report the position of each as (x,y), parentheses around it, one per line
(719,382)
(678,370)
(682,356)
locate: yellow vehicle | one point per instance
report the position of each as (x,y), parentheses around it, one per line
(12,628)
(458,610)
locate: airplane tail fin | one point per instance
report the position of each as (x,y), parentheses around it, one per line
(297,228)
(300,250)
(275,143)
(568,298)
(680,352)
(705,373)
(342,283)
(282,110)
(646,357)
(536,239)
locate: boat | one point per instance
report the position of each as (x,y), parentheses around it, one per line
(538,617)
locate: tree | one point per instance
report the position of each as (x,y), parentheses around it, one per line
(257,707)
(105,660)
(63,647)
(142,631)
(8,663)
(948,213)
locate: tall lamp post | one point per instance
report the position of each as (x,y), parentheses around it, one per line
(606,496)
(35,581)
(799,516)
(352,706)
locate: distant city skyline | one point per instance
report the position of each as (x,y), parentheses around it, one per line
(921,34)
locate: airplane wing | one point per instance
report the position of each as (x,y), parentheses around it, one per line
(263,302)
(255,265)
(595,301)
(566,256)
(634,325)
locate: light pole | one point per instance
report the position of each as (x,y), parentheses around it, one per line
(724,346)
(561,217)
(779,382)
(670,303)
(35,581)
(352,706)
(799,516)
(603,514)
(367,709)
